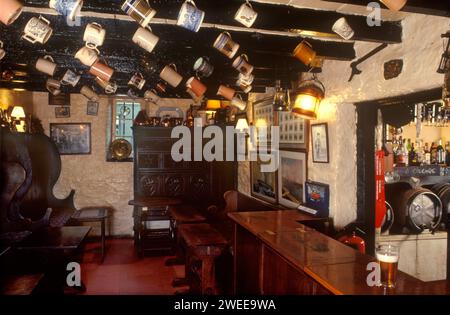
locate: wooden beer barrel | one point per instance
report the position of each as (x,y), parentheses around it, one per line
(388,219)
(417,209)
(443,192)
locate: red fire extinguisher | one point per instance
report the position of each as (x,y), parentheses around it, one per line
(354,241)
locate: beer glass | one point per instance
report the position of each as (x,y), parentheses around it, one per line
(387,256)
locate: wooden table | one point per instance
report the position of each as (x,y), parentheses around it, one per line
(306,261)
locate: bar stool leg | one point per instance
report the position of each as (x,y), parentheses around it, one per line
(103,239)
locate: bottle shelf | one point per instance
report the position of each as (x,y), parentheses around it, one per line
(422,171)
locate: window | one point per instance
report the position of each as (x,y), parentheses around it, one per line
(122,116)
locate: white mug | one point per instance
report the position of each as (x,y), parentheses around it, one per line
(239,103)
(137,81)
(46,65)
(246,15)
(170,75)
(109,87)
(225,44)
(343,29)
(245,79)
(145,39)
(89,93)
(53,86)
(70,78)
(2,51)
(87,55)
(68,8)
(241,64)
(151,96)
(11,10)
(94,35)
(37,30)
(190,17)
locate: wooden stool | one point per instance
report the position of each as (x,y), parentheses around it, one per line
(203,245)
(181,214)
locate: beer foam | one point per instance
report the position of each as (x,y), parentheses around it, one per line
(387,258)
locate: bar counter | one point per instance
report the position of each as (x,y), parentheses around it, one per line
(276,254)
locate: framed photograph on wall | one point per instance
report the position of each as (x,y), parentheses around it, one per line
(72,138)
(263,184)
(263,117)
(293,131)
(319,138)
(62,112)
(291,178)
(92,108)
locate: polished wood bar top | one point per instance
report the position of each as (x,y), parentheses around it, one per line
(154,202)
(338,268)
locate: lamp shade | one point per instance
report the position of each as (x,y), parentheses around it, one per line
(242,125)
(18,112)
(213,104)
(307,101)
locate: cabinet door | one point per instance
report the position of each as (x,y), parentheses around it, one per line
(149,184)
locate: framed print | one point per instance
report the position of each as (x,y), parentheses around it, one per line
(72,138)
(263,117)
(62,112)
(317,197)
(319,138)
(62,99)
(291,178)
(293,131)
(263,184)
(92,108)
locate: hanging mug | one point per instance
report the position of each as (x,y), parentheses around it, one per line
(225,44)
(109,87)
(226,92)
(239,103)
(87,56)
(67,8)
(190,17)
(11,10)
(245,79)
(137,80)
(241,64)
(394,5)
(170,75)
(305,53)
(37,30)
(89,93)
(343,29)
(2,51)
(151,96)
(139,10)
(53,86)
(145,39)
(70,78)
(203,67)
(246,15)
(196,86)
(101,70)
(46,65)
(94,35)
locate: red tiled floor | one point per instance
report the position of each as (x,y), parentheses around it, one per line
(123,272)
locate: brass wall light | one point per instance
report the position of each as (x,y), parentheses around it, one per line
(281,99)
(308,96)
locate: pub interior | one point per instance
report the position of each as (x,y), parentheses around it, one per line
(233,147)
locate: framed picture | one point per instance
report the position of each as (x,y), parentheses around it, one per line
(293,131)
(72,138)
(291,178)
(263,184)
(319,138)
(317,197)
(92,108)
(62,112)
(61,99)
(263,117)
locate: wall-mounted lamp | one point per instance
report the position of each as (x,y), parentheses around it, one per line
(242,123)
(281,99)
(212,105)
(18,115)
(394,5)
(444,65)
(309,94)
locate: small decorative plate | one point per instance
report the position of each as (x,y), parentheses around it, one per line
(120,149)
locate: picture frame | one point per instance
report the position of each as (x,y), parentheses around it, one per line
(263,116)
(71,138)
(292,174)
(320,145)
(92,108)
(62,112)
(317,197)
(294,131)
(62,99)
(263,184)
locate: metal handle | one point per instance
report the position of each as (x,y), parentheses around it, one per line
(48,57)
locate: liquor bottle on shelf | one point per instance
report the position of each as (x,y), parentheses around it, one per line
(426,149)
(447,153)
(399,154)
(440,155)
(433,152)
(420,152)
(406,153)
(408,145)
(412,156)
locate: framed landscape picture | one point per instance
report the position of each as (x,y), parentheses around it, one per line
(319,138)
(291,178)
(62,112)
(263,184)
(72,138)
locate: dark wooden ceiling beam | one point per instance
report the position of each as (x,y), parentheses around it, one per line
(271,17)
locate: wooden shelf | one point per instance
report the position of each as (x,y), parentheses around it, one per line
(423,171)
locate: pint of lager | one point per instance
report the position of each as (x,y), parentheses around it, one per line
(387,256)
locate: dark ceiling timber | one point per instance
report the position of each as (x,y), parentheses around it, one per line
(429,7)
(271,17)
(270,54)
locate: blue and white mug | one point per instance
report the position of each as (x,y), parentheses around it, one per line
(67,8)
(190,17)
